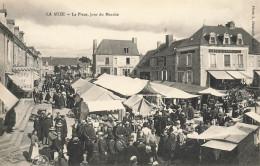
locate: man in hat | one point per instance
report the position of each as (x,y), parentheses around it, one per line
(75,128)
(120,145)
(75,152)
(153,144)
(37,126)
(143,156)
(190,112)
(130,151)
(64,126)
(128,131)
(102,146)
(127,118)
(47,123)
(111,151)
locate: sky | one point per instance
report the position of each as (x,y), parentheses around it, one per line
(147,20)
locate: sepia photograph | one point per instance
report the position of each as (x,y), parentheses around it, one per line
(129,83)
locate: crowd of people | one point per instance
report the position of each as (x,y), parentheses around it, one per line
(164,137)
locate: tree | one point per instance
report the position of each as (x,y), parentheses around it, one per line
(84,59)
(56,69)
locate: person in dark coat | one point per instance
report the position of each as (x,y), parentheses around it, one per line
(111,151)
(143,158)
(48,97)
(64,125)
(102,146)
(47,124)
(190,112)
(37,126)
(120,145)
(130,151)
(40,97)
(75,152)
(75,128)
(170,145)
(10,120)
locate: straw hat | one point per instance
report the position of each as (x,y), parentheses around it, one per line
(52,129)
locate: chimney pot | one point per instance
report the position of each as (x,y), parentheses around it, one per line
(94,46)
(169,39)
(134,40)
(231,25)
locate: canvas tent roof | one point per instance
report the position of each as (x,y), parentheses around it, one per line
(80,83)
(121,84)
(254,116)
(139,105)
(95,106)
(212,92)
(168,92)
(221,145)
(7,97)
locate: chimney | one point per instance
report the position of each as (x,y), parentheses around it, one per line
(21,36)
(230,25)
(134,40)
(169,39)
(158,45)
(3,14)
(10,24)
(16,31)
(94,46)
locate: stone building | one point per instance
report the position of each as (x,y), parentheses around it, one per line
(19,64)
(117,57)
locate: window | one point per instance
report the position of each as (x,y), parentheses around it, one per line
(126,72)
(181,76)
(115,71)
(240,60)
(213,59)
(164,61)
(157,61)
(189,76)
(239,39)
(135,72)
(226,39)
(126,50)
(164,75)
(157,75)
(227,60)
(178,60)
(258,61)
(212,39)
(128,61)
(107,61)
(189,60)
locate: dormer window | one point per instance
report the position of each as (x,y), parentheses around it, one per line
(226,39)
(126,50)
(212,39)
(239,39)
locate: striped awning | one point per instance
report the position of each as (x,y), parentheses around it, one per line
(221,75)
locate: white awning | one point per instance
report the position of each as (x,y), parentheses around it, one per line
(254,116)
(36,76)
(7,97)
(236,74)
(221,75)
(221,145)
(95,106)
(16,80)
(212,92)
(258,72)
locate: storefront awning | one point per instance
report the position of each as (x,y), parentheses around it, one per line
(258,72)
(246,75)
(95,106)
(221,75)
(7,97)
(254,116)
(236,74)
(221,145)
(16,80)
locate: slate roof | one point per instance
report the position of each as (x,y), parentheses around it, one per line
(63,61)
(167,51)
(202,37)
(145,61)
(116,47)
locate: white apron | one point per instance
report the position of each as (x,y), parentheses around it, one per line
(35,151)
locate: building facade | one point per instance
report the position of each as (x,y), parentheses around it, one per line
(214,56)
(18,63)
(117,57)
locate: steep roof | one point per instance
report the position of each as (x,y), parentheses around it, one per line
(116,47)
(202,37)
(64,61)
(167,51)
(145,61)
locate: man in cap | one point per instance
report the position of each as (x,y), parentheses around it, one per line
(120,146)
(75,152)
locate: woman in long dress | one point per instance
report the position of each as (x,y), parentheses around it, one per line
(34,149)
